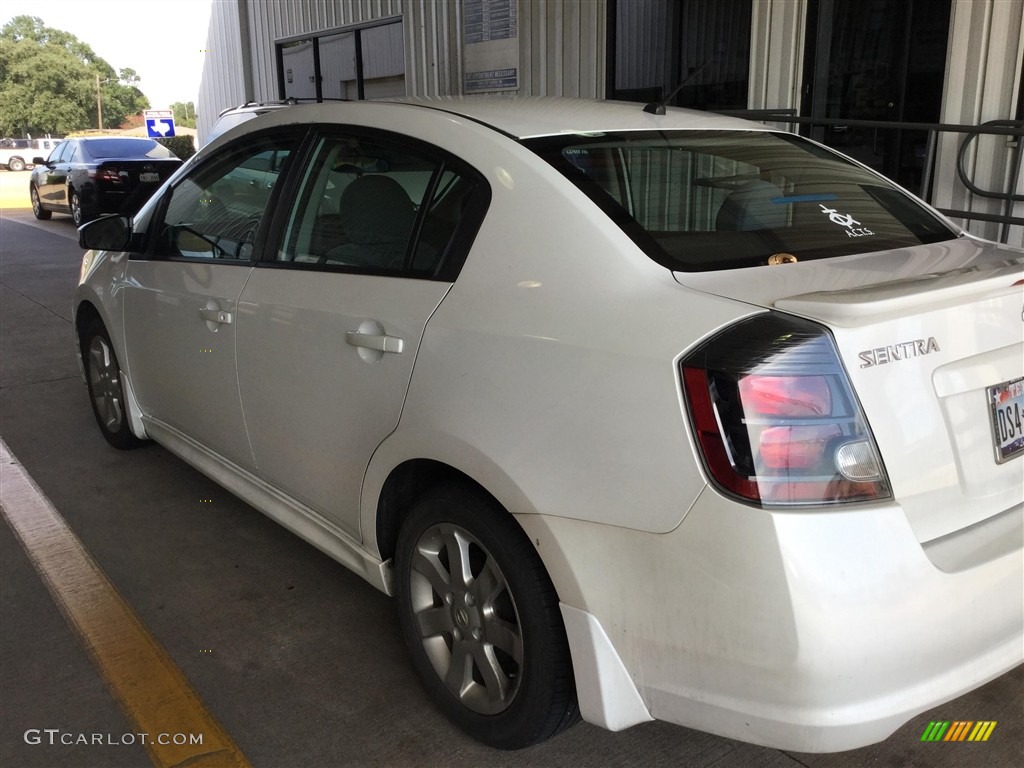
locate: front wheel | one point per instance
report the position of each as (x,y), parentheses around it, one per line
(103,376)
(481,620)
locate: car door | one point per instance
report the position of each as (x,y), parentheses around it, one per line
(53,181)
(330,324)
(180,300)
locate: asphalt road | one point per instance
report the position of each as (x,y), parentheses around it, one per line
(299,660)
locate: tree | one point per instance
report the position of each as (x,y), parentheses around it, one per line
(48,82)
(184,113)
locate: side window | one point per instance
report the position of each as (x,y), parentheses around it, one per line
(372,204)
(55,155)
(215,212)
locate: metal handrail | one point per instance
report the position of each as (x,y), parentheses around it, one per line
(1014,128)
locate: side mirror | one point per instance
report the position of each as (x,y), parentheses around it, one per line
(108,233)
(38,161)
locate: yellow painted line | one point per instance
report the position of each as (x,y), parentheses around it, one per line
(150,688)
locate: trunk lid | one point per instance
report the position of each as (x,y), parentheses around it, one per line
(116,175)
(927,335)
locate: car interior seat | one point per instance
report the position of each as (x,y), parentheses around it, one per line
(377,216)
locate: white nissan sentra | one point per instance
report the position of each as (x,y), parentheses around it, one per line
(638,416)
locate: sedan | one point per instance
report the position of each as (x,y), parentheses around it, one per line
(638,416)
(89,176)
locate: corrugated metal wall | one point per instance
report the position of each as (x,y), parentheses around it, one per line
(776,53)
(223,83)
(561,42)
(562,47)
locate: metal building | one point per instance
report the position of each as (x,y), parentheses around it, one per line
(910,62)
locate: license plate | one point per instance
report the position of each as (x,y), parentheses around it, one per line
(149,177)
(1007,401)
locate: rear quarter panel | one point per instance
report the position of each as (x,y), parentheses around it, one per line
(548,373)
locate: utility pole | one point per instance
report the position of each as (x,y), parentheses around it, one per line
(99,104)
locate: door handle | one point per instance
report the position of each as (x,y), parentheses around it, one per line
(214,315)
(376,342)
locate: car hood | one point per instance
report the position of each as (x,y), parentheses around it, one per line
(924,334)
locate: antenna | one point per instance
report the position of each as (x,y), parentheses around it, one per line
(658,107)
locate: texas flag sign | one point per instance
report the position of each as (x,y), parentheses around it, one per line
(159,123)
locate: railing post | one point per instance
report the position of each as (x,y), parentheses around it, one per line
(1004,232)
(929,166)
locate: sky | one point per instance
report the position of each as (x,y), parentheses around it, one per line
(162,41)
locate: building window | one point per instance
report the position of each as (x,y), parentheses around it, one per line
(879,60)
(700,47)
(365,62)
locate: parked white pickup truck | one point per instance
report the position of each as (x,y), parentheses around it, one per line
(17,154)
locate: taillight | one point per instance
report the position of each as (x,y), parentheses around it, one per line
(108,175)
(775,417)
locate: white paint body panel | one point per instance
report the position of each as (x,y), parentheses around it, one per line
(182,367)
(305,390)
(929,412)
(827,629)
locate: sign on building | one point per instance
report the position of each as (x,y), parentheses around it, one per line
(490,45)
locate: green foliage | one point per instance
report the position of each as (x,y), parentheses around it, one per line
(49,81)
(184,113)
(183,146)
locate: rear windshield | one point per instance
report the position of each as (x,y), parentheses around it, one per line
(704,200)
(124,149)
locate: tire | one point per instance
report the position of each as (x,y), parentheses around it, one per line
(103,377)
(79,216)
(500,623)
(37,207)
(16,164)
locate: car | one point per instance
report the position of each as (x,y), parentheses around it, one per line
(85,177)
(14,153)
(232,116)
(638,416)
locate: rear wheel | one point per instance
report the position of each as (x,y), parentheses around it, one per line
(37,207)
(77,214)
(16,164)
(481,620)
(103,376)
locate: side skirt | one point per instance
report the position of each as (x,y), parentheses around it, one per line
(293,515)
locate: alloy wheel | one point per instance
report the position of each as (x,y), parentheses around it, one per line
(76,209)
(466,618)
(105,385)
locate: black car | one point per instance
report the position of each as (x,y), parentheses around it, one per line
(89,176)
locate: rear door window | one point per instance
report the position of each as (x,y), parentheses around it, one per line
(383,204)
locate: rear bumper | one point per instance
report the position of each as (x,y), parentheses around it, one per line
(812,631)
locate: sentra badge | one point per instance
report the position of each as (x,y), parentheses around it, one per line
(893,353)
